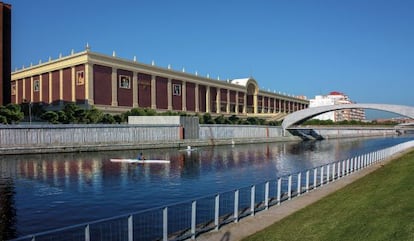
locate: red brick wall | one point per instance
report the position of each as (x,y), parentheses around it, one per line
(144,90)
(55,86)
(190,98)
(80,89)
(162,93)
(213,95)
(232,96)
(102,87)
(45,88)
(36,94)
(202,98)
(124,95)
(177,99)
(20,91)
(223,95)
(13,97)
(27,89)
(67,84)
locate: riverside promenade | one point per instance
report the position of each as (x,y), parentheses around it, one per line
(250,225)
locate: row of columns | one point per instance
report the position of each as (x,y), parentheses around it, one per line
(29,97)
(89,94)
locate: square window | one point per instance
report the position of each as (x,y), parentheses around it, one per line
(124,82)
(80,78)
(36,85)
(177,89)
(13,89)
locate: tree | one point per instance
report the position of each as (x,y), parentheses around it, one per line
(50,116)
(10,114)
(107,119)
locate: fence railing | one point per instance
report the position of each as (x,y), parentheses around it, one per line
(186,220)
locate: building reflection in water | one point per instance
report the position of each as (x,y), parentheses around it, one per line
(89,181)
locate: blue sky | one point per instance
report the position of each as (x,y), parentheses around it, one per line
(364,48)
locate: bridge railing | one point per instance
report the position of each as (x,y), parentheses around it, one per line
(188,219)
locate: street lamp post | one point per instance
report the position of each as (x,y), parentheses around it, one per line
(30,112)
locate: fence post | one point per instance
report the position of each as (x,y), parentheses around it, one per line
(299,186)
(165,224)
(216,211)
(339,170)
(236,206)
(321,177)
(333,171)
(87,233)
(279,191)
(130,228)
(193,219)
(315,180)
(290,187)
(343,168)
(307,181)
(328,173)
(252,195)
(347,167)
(267,195)
(352,164)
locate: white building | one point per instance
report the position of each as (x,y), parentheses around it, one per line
(336,98)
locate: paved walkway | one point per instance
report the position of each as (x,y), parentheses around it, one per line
(250,225)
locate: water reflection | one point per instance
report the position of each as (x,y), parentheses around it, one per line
(68,189)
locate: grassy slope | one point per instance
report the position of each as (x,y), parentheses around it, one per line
(379,206)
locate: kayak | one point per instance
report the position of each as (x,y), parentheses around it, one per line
(140,161)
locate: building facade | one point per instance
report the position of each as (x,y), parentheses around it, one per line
(5,53)
(337,98)
(114,84)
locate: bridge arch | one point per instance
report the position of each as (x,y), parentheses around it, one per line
(306,114)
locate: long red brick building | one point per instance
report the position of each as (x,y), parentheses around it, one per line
(113,84)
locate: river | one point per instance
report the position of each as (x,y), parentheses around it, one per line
(48,191)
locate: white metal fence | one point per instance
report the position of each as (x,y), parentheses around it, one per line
(188,219)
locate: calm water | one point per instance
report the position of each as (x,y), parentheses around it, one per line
(43,192)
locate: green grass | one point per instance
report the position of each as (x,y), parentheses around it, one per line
(379,206)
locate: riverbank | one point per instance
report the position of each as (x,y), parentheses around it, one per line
(179,144)
(330,218)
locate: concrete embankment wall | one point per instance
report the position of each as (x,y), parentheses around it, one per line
(346,132)
(208,132)
(70,138)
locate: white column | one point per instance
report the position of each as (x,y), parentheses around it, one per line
(114,87)
(89,83)
(153,92)
(208,108)
(268,104)
(197,102)
(50,87)
(31,90)
(40,88)
(244,103)
(73,83)
(184,96)
(169,94)
(228,102)
(237,102)
(255,104)
(60,84)
(218,100)
(135,89)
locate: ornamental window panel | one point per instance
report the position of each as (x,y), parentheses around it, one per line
(124,82)
(80,78)
(176,89)
(36,85)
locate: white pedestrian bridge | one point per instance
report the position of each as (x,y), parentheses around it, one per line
(305,114)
